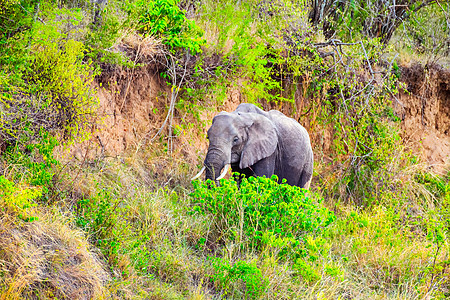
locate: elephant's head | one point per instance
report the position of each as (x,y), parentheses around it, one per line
(238,138)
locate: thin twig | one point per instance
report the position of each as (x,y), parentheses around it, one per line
(40,20)
(174,94)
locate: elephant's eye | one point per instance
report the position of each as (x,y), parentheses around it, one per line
(236,139)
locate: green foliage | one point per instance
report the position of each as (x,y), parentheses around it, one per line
(251,53)
(305,269)
(7,6)
(62,81)
(101,215)
(376,146)
(49,78)
(227,276)
(350,20)
(33,24)
(262,213)
(358,113)
(428,31)
(99,40)
(360,19)
(386,239)
(165,20)
(18,199)
(116,232)
(16,21)
(35,161)
(279,64)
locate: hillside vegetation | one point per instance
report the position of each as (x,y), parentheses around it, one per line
(104,107)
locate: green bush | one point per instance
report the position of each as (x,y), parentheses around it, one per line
(307,272)
(261,213)
(101,216)
(240,279)
(165,20)
(35,161)
(46,77)
(62,83)
(422,34)
(18,199)
(16,21)
(249,48)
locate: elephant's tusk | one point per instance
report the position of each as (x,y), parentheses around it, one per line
(224,172)
(199,173)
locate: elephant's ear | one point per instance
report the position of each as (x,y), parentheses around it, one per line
(262,139)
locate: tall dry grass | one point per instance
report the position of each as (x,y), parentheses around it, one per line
(48,258)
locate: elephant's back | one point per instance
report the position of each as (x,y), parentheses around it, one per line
(295,144)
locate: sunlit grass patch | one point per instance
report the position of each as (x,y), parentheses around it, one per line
(383,251)
(41,253)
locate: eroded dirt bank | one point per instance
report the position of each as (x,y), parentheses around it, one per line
(424,109)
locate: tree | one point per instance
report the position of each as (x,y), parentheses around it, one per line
(373,18)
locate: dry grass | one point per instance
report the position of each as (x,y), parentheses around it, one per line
(143,48)
(47,258)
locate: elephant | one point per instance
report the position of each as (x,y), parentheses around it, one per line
(258,143)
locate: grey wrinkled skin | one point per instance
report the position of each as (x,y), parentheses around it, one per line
(258,143)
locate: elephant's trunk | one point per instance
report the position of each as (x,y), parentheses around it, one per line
(212,171)
(214,162)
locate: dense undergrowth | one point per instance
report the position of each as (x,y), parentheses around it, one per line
(374,225)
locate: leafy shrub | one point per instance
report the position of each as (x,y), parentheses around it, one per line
(421,30)
(228,275)
(58,99)
(105,34)
(45,75)
(18,199)
(165,20)
(249,48)
(307,272)
(62,82)
(261,213)
(101,216)
(14,35)
(369,18)
(35,161)
(357,112)
(375,148)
